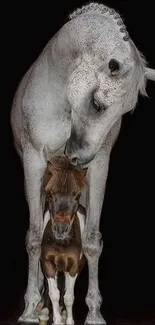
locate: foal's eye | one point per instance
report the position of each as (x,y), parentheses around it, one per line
(49,196)
(77,197)
(96,105)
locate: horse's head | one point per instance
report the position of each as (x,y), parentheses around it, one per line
(104,82)
(63,185)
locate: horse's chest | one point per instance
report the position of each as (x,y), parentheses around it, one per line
(50,133)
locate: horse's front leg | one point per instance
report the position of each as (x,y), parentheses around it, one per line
(34,166)
(91,238)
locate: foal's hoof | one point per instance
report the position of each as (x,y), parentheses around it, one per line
(95,319)
(64,316)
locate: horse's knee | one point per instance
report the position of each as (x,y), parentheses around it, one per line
(94,299)
(33,242)
(92,244)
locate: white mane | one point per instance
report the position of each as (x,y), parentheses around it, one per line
(104,10)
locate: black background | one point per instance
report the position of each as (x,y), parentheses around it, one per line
(127,263)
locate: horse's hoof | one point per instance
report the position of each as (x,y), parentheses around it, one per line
(95,319)
(26,323)
(25,320)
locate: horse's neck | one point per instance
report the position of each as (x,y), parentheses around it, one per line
(77,36)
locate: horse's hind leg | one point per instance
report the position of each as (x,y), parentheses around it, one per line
(69,297)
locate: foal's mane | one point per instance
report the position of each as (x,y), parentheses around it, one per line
(62,177)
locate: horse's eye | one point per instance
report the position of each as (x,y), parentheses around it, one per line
(114,67)
(96,105)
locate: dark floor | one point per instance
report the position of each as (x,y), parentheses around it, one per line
(113,315)
(134,309)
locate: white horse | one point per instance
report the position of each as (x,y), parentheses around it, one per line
(71,101)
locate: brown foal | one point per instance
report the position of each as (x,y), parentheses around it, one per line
(61,248)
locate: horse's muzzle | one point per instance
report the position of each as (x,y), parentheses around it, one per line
(77,157)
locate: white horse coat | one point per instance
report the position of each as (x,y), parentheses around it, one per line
(73,98)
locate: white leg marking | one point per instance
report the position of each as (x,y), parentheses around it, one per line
(69,297)
(46,219)
(54,296)
(82,220)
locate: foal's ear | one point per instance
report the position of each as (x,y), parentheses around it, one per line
(84,171)
(50,167)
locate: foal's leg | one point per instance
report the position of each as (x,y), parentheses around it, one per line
(40,274)
(69,297)
(55,296)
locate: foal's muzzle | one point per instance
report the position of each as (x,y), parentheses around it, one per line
(61,229)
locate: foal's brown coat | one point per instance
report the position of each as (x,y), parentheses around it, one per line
(64,255)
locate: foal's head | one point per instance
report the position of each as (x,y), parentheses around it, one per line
(63,184)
